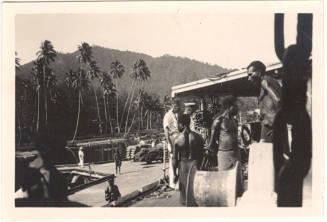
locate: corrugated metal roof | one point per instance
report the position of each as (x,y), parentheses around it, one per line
(221,78)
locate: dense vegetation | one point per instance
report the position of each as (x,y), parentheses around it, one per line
(96,91)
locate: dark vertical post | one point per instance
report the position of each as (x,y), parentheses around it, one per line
(279,35)
(291,171)
(304,33)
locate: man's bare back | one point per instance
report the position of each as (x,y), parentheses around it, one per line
(191,149)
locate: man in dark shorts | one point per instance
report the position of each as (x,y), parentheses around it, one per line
(225,130)
(269,98)
(117,159)
(188,153)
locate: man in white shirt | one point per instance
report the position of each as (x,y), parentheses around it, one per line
(170,125)
(81,157)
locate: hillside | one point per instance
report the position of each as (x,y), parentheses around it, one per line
(166,70)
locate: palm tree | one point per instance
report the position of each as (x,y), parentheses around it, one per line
(37,76)
(73,82)
(45,55)
(17,62)
(117,70)
(146,103)
(93,75)
(140,73)
(156,109)
(128,100)
(88,70)
(51,85)
(17,67)
(77,81)
(108,89)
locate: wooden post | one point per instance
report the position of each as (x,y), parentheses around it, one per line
(102,151)
(164,160)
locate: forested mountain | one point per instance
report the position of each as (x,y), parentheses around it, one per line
(166,70)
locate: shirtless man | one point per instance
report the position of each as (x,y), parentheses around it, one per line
(117,159)
(269,99)
(188,152)
(225,130)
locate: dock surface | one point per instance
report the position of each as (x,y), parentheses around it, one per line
(170,199)
(134,175)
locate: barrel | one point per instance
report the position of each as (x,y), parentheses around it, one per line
(214,188)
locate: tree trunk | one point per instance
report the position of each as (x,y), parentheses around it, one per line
(137,99)
(150,120)
(146,116)
(78,113)
(129,94)
(129,129)
(117,116)
(147,122)
(110,124)
(105,112)
(98,111)
(18,114)
(38,110)
(140,121)
(129,107)
(45,96)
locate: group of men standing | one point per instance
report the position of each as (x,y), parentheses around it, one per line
(186,147)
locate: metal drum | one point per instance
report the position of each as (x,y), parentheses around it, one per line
(214,188)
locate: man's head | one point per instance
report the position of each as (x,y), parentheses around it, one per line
(256,70)
(229,104)
(183,122)
(175,106)
(111,181)
(189,108)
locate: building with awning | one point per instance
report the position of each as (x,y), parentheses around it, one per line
(232,83)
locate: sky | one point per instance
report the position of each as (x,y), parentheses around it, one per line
(227,40)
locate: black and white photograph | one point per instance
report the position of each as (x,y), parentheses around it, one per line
(164,105)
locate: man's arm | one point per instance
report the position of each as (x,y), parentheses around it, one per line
(271,92)
(166,131)
(215,129)
(167,135)
(263,92)
(175,159)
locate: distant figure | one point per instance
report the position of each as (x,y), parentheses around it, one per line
(81,157)
(269,99)
(188,153)
(117,159)
(170,125)
(225,130)
(112,192)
